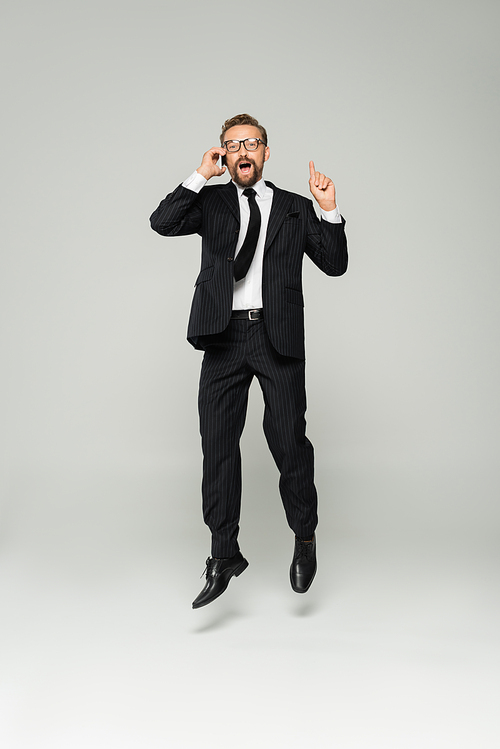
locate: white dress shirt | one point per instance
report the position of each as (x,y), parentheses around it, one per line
(248,291)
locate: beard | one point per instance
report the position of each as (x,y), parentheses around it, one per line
(246,178)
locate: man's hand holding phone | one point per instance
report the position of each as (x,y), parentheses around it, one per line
(209,166)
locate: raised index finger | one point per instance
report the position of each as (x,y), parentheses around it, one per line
(311,169)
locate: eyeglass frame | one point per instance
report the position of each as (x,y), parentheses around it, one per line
(235,140)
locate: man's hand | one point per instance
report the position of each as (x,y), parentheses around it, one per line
(322,188)
(208,167)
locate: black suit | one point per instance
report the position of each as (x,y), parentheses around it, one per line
(236,350)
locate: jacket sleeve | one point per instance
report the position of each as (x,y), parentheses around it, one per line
(180,213)
(326,244)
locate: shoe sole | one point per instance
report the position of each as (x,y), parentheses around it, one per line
(236,573)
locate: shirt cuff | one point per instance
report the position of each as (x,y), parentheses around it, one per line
(195,182)
(333,217)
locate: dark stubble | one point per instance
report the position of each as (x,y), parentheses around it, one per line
(246,180)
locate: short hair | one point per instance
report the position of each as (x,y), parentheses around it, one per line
(242,119)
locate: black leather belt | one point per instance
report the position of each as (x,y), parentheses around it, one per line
(247,314)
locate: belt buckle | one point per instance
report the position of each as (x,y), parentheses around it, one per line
(251,312)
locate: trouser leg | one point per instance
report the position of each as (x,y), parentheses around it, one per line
(282,380)
(222,402)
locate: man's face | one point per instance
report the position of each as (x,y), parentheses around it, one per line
(245,167)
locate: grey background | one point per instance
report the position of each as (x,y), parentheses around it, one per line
(107,107)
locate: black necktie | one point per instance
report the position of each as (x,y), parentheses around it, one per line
(245,255)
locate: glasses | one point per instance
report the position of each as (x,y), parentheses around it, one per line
(250,144)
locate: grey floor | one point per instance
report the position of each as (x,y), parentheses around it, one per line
(395,645)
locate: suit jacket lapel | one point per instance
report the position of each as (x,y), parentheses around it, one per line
(230,197)
(279,209)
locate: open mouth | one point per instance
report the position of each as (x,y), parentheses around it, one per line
(244,167)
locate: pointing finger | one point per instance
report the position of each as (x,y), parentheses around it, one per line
(311,169)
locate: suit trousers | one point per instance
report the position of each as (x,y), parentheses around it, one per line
(231,360)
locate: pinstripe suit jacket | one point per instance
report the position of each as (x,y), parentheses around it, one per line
(293,230)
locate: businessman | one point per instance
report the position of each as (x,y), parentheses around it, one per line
(247,316)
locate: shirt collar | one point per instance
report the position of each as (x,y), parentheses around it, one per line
(259,187)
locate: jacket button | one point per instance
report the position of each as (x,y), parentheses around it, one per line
(229,259)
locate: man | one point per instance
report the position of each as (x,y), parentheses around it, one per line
(247,315)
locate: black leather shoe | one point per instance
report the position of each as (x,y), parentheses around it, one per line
(304,565)
(218,574)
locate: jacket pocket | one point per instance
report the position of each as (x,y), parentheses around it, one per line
(294,297)
(205,275)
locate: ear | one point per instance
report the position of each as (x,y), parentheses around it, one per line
(267,153)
